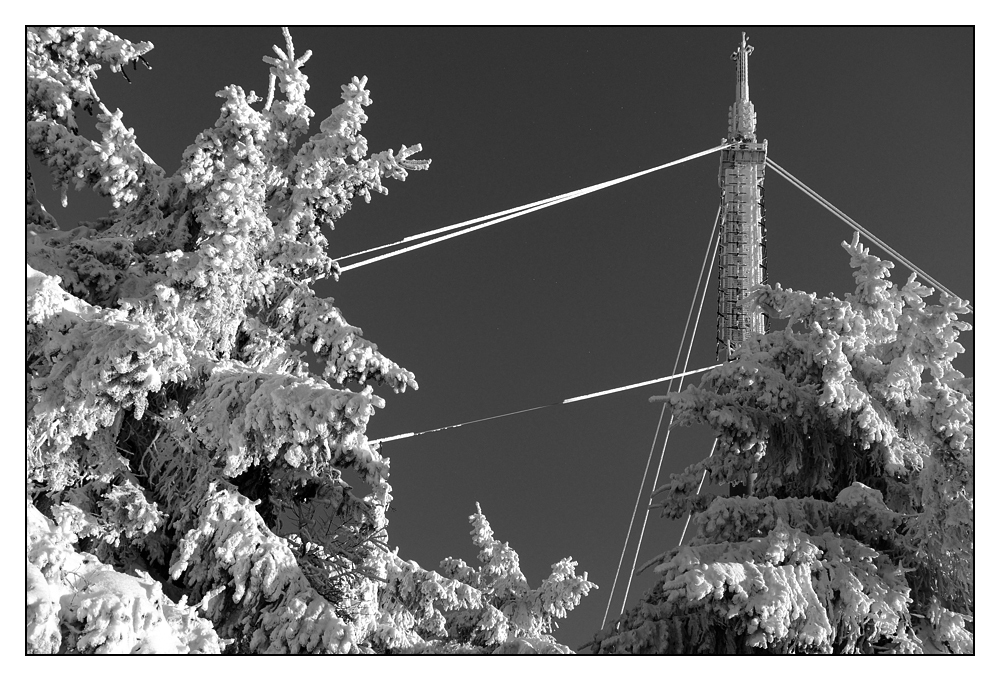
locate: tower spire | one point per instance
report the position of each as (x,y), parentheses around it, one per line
(742,117)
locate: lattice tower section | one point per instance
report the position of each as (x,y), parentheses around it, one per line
(742,257)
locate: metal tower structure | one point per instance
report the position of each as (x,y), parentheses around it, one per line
(742,256)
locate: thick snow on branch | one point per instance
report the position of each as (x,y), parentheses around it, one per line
(465,609)
(77,604)
(174,428)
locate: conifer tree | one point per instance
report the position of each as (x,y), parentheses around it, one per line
(857,434)
(172,416)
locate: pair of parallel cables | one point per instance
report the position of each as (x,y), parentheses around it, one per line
(702,288)
(509,214)
(812,194)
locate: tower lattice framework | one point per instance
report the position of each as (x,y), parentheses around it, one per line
(742,256)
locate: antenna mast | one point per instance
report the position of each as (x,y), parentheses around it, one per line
(742,255)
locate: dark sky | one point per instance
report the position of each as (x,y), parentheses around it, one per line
(591,294)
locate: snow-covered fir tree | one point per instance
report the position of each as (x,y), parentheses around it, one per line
(172,417)
(855,433)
